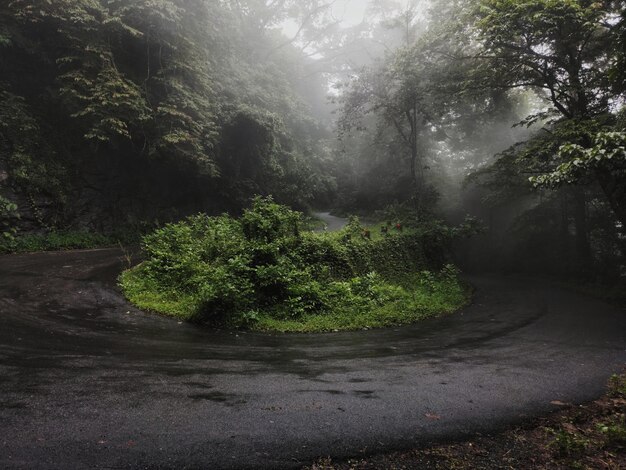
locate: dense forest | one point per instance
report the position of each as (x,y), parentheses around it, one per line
(128,114)
(318,234)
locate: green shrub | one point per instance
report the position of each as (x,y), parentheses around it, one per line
(567,444)
(52,241)
(617,386)
(8,216)
(614,430)
(66,240)
(262,268)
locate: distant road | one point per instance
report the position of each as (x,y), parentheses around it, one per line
(87,381)
(332,223)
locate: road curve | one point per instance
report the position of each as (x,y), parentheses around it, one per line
(332,223)
(86,381)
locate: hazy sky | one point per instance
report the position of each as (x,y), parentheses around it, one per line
(348,12)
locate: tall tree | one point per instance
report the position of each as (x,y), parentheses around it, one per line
(129,108)
(564,50)
(394,92)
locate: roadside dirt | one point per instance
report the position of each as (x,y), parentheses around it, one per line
(589,436)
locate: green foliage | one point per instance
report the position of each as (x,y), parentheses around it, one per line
(32,165)
(617,386)
(540,154)
(614,431)
(134,100)
(531,43)
(568,53)
(567,444)
(53,241)
(8,216)
(262,271)
(384,303)
(608,153)
(268,221)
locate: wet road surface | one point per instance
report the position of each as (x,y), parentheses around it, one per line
(332,222)
(86,381)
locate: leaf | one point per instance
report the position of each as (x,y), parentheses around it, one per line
(559,403)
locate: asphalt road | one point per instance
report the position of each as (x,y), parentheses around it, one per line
(86,381)
(332,222)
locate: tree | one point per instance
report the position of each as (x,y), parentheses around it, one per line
(563,50)
(605,159)
(130,112)
(395,93)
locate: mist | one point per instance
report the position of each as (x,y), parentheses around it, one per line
(351,106)
(325,234)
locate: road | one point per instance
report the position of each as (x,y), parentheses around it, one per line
(332,222)
(87,381)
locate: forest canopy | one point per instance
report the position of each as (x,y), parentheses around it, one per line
(537,83)
(119,113)
(116,112)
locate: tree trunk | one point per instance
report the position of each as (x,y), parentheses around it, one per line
(614,189)
(565,246)
(416,185)
(583,247)
(415,180)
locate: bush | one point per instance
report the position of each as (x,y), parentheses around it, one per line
(614,430)
(53,241)
(8,216)
(243,272)
(567,444)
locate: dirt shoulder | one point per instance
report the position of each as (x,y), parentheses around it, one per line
(589,436)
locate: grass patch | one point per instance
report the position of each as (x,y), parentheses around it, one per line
(406,305)
(64,240)
(54,241)
(406,302)
(263,272)
(143,292)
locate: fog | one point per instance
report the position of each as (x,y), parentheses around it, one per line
(141,113)
(469,152)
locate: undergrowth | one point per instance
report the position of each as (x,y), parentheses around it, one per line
(262,272)
(54,241)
